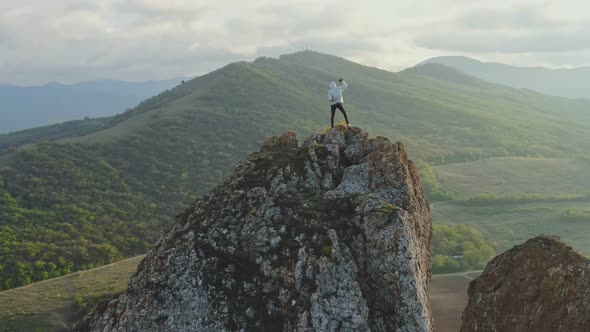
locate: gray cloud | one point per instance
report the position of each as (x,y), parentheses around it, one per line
(525,29)
(565,40)
(72,40)
(521,17)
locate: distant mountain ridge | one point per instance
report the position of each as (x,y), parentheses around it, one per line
(23,107)
(445,73)
(563,82)
(52,132)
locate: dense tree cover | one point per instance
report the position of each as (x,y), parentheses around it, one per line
(64,211)
(87,200)
(459,248)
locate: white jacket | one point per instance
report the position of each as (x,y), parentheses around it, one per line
(335,93)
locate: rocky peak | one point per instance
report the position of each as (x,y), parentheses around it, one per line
(541,285)
(330,235)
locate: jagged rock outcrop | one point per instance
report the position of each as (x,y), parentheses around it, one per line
(541,285)
(332,235)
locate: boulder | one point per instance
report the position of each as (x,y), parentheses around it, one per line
(541,285)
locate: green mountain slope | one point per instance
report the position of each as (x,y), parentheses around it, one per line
(83,201)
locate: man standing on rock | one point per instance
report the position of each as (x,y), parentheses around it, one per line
(336,100)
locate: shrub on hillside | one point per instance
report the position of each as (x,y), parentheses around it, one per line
(459,248)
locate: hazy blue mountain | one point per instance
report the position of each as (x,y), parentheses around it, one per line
(52,132)
(445,73)
(33,106)
(571,83)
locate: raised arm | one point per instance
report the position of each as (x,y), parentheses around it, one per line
(343,84)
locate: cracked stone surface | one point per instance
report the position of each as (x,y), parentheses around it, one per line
(330,235)
(542,285)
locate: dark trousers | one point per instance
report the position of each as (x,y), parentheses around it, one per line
(341,108)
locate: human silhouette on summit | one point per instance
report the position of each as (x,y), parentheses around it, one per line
(336,100)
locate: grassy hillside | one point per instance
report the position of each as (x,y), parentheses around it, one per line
(513,199)
(88,200)
(54,305)
(508,223)
(546,177)
(443,121)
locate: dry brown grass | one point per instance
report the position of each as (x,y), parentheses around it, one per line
(48,305)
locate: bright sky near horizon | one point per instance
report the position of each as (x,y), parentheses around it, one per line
(75,40)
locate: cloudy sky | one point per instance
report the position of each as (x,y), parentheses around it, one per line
(74,40)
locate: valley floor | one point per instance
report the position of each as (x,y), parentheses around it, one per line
(449,298)
(511,200)
(510,224)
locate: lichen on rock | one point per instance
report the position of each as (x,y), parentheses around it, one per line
(298,239)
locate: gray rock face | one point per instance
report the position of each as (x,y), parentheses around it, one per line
(332,235)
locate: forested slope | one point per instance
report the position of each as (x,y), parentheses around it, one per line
(82,201)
